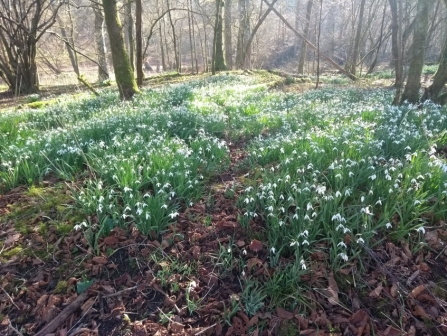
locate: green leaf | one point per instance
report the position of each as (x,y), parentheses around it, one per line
(84,285)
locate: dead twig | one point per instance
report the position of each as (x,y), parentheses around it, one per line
(206,329)
(119,292)
(10,298)
(14,329)
(63,315)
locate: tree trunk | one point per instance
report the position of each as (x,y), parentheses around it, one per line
(139,42)
(174,41)
(124,75)
(396,49)
(297,26)
(129,32)
(242,54)
(218,59)
(303,51)
(417,53)
(227,33)
(433,92)
(103,73)
(358,34)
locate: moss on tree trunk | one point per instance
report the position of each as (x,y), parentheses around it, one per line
(125,78)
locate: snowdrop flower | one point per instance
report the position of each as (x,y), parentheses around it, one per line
(366,211)
(342,244)
(344,256)
(421,230)
(127,189)
(303,264)
(164,206)
(80,226)
(379,202)
(360,241)
(191,286)
(173,215)
(294,242)
(417,202)
(273,250)
(372,177)
(244,252)
(305,242)
(309,207)
(388,225)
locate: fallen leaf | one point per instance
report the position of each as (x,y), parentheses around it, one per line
(393,290)
(391,331)
(411,331)
(176,327)
(284,314)
(240,243)
(253,321)
(110,241)
(376,292)
(359,318)
(256,245)
(196,252)
(12,239)
(99,260)
(416,291)
(253,262)
(418,311)
(333,290)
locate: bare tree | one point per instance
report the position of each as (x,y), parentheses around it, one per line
(22,24)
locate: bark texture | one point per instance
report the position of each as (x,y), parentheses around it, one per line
(435,91)
(227,33)
(218,53)
(124,75)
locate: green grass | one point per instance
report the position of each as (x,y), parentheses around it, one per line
(331,171)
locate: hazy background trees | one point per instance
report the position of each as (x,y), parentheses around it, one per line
(357,36)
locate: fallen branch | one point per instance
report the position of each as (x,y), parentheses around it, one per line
(10,298)
(63,315)
(91,88)
(15,330)
(310,44)
(119,292)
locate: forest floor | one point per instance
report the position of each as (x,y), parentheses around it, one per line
(225,261)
